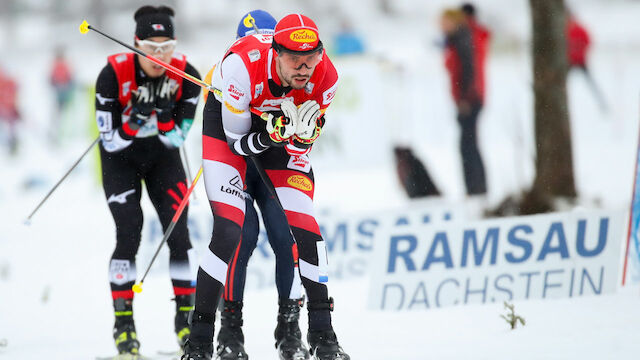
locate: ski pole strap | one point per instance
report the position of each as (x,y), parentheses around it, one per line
(320,305)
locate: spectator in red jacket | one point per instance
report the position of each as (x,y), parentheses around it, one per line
(465,52)
(61,81)
(9,110)
(480,44)
(578,43)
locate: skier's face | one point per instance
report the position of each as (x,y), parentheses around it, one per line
(296,70)
(160,47)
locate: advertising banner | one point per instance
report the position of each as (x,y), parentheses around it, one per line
(349,238)
(557,255)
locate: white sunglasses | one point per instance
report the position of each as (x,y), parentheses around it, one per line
(157,47)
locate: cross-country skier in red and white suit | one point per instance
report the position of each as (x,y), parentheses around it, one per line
(288,76)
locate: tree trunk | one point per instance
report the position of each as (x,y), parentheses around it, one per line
(554,159)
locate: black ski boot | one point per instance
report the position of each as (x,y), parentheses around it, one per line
(199,346)
(124,330)
(197,351)
(288,335)
(230,338)
(184,307)
(323,344)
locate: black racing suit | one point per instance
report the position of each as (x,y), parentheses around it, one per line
(150,157)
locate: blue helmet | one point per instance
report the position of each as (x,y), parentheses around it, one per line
(260,19)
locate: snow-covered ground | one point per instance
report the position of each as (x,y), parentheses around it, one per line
(56,304)
(54,295)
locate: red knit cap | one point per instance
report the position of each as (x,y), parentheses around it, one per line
(297,32)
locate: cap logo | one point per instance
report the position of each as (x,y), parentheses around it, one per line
(248,21)
(305,46)
(303,35)
(157,27)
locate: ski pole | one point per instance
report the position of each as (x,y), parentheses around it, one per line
(272,190)
(28,219)
(596,90)
(183,151)
(85,27)
(138,287)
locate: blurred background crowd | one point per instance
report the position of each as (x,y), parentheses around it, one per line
(448,88)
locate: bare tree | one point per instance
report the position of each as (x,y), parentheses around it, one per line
(554,159)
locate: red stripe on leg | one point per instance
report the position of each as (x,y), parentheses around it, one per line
(294,252)
(303,221)
(126,294)
(183,291)
(218,150)
(279,177)
(228,212)
(182,187)
(231,273)
(175,196)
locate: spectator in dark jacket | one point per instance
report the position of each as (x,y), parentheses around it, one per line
(464,63)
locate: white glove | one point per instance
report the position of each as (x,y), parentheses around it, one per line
(308,114)
(282,128)
(290,110)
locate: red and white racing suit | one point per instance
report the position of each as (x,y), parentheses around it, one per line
(246,78)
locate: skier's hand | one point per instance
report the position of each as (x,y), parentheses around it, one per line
(281,128)
(166,93)
(142,104)
(290,111)
(308,114)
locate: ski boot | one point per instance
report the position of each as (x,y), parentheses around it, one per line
(288,335)
(124,330)
(184,307)
(199,346)
(230,338)
(197,351)
(323,344)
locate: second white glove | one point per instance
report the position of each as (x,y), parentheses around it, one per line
(308,114)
